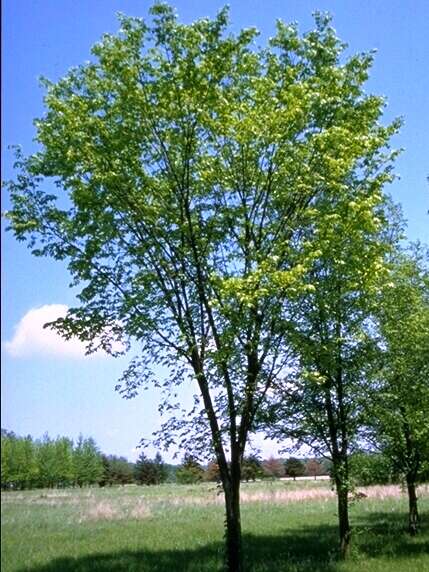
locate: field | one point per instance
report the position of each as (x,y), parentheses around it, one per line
(287,526)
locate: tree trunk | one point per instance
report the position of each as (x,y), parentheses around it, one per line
(343,519)
(413,515)
(234,556)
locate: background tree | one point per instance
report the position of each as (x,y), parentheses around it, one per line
(294,467)
(18,461)
(117,471)
(212,473)
(184,158)
(313,468)
(87,462)
(252,468)
(47,462)
(150,471)
(105,478)
(161,468)
(144,472)
(327,467)
(273,468)
(6,459)
(64,462)
(399,413)
(190,471)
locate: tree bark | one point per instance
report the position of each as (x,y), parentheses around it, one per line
(341,472)
(234,555)
(230,475)
(343,519)
(413,515)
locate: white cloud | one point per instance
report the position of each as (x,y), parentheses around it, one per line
(31,339)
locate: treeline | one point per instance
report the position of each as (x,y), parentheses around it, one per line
(28,463)
(366,468)
(47,463)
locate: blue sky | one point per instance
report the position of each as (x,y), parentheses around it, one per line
(49,386)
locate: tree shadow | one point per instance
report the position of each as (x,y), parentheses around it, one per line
(303,549)
(204,560)
(385,533)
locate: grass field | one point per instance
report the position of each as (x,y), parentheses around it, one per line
(287,527)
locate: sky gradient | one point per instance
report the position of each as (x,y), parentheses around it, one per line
(48,385)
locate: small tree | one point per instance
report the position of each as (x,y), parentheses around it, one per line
(322,400)
(105,479)
(273,468)
(145,471)
(399,412)
(252,468)
(294,468)
(88,466)
(64,462)
(160,468)
(6,459)
(47,462)
(117,471)
(212,473)
(313,468)
(190,471)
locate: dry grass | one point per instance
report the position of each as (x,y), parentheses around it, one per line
(99,505)
(388,491)
(123,509)
(102,510)
(278,496)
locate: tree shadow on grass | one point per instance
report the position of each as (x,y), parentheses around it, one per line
(386,534)
(303,549)
(297,550)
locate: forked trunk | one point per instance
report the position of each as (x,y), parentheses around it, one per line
(413,515)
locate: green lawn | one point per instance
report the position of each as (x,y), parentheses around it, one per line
(287,527)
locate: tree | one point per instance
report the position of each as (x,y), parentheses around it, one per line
(47,462)
(18,461)
(370,468)
(105,478)
(251,468)
(212,473)
(145,470)
(294,467)
(321,402)
(190,472)
(400,411)
(117,471)
(64,461)
(6,460)
(184,159)
(313,468)
(273,468)
(88,466)
(161,469)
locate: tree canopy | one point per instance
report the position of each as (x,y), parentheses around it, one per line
(175,174)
